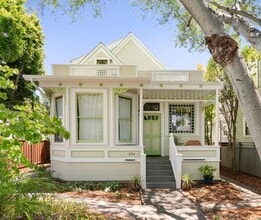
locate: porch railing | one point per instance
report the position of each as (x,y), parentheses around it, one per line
(176,161)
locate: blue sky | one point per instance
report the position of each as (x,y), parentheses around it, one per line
(66,39)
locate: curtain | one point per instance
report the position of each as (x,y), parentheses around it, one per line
(90,117)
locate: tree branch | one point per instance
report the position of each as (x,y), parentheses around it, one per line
(233,11)
(253,35)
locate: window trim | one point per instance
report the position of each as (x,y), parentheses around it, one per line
(58,95)
(74,123)
(133,120)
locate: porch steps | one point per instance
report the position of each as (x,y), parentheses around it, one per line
(159,173)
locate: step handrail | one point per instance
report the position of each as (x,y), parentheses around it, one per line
(176,160)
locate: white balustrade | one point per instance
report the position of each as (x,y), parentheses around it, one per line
(166,76)
(176,161)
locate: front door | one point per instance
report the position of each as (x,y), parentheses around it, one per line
(152,133)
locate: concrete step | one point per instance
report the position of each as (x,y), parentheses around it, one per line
(160,178)
(161,185)
(159,173)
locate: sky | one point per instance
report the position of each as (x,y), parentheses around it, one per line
(66,39)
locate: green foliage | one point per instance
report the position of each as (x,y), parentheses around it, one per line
(188,33)
(56,210)
(26,122)
(135,182)
(73,8)
(209,121)
(207,170)
(21,47)
(187,182)
(81,186)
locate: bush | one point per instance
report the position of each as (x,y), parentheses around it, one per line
(110,186)
(187,182)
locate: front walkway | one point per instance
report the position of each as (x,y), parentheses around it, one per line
(159,204)
(164,204)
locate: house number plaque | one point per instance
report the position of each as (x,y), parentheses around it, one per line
(131,153)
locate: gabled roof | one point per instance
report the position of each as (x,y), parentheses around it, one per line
(99,47)
(113,48)
(116,46)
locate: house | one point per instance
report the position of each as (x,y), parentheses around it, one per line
(121,105)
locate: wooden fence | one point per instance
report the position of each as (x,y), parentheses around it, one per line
(247,159)
(37,153)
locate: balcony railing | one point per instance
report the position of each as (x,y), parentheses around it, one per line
(170,76)
(94,70)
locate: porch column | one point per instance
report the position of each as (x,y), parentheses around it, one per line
(143,156)
(141,118)
(217,119)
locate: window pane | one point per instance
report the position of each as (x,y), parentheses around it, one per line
(125,119)
(59,114)
(125,130)
(181,118)
(102,61)
(90,130)
(90,117)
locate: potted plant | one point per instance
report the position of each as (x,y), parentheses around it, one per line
(208,172)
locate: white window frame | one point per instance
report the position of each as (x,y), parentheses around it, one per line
(244,128)
(73,118)
(134,128)
(102,58)
(58,95)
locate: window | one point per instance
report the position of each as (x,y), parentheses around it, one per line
(59,114)
(90,118)
(181,118)
(101,61)
(125,119)
(246,129)
(151,107)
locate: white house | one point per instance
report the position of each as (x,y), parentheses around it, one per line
(120,105)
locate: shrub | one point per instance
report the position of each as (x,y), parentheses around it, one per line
(135,182)
(187,182)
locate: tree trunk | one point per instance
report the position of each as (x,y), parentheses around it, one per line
(224,50)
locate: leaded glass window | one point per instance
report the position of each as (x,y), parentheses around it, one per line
(181,118)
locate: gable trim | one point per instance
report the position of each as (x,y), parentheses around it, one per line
(106,50)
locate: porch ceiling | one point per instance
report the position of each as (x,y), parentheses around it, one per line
(177,94)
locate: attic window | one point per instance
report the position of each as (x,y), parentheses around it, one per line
(101,61)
